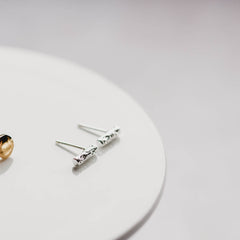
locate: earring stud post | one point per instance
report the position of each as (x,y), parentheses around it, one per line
(92,128)
(71,145)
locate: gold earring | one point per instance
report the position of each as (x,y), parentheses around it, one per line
(6,146)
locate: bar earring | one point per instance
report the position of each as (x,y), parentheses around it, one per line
(108,135)
(84,155)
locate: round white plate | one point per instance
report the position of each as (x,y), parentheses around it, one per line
(42,196)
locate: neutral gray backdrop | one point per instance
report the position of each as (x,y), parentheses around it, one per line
(181,61)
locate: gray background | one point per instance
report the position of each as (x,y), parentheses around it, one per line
(180,60)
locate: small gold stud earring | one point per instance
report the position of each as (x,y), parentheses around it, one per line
(6,146)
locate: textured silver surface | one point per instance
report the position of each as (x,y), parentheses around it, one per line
(108,136)
(85,155)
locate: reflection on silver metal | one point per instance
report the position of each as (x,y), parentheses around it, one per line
(107,137)
(85,155)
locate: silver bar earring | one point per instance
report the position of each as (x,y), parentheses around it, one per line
(108,135)
(85,154)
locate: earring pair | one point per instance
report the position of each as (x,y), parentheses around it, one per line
(103,140)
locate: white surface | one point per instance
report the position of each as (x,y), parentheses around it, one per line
(180,60)
(42,197)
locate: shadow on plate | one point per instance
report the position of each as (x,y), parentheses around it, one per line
(5,165)
(76,170)
(109,146)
